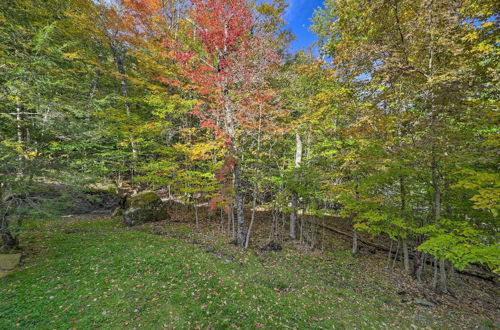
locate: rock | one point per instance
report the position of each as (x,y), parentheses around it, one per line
(272,246)
(9,261)
(144,207)
(423,302)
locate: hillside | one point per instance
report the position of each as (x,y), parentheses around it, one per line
(90,271)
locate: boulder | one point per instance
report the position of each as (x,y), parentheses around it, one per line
(272,246)
(9,261)
(144,207)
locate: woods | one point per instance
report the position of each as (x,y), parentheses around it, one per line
(390,121)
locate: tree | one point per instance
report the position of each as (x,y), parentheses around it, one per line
(45,131)
(412,64)
(225,68)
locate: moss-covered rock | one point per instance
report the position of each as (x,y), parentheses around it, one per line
(144,207)
(9,261)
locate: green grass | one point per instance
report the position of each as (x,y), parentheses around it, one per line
(89,274)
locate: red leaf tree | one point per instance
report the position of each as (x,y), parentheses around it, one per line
(229,70)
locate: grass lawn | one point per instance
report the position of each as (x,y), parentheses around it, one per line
(95,273)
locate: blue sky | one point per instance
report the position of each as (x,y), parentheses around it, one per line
(298,18)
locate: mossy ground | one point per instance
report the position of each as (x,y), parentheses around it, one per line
(94,273)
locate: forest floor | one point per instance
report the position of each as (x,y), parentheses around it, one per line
(86,272)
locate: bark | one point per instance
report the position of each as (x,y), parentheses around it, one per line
(230,128)
(438,285)
(451,271)
(395,255)
(437,191)
(442,277)
(256,184)
(240,235)
(254,206)
(355,248)
(233,226)
(435,276)
(120,64)
(221,220)
(295,196)
(302,228)
(406,259)
(196,216)
(434,160)
(10,241)
(420,269)
(229,219)
(416,262)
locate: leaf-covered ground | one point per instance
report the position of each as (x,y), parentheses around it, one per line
(89,273)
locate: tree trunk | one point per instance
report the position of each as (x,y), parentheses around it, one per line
(419,261)
(416,262)
(240,231)
(440,285)
(406,258)
(221,221)
(355,248)
(233,225)
(302,228)
(120,64)
(256,183)
(395,255)
(442,276)
(196,216)
(451,271)
(295,195)
(254,206)
(10,242)
(229,219)
(435,276)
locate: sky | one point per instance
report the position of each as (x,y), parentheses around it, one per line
(298,17)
